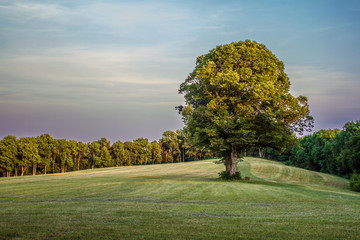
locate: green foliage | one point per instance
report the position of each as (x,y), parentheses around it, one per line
(46,145)
(224,175)
(118,151)
(332,151)
(95,150)
(105,157)
(8,154)
(171,145)
(355,182)
(155,150)
(29,154)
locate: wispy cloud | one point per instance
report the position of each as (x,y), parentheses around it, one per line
(333,95)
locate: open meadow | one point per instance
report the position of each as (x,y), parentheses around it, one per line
(180,201)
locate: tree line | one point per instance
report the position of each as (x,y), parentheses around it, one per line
(330,151)
(44,154)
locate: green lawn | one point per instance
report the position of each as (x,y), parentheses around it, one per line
(180,201)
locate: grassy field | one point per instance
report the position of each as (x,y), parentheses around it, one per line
(180,201)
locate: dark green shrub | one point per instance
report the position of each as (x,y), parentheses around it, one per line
(224,175)
(355,182)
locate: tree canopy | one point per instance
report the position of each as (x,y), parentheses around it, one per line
(238,97)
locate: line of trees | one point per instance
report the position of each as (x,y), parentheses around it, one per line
(330,151)
(44,154)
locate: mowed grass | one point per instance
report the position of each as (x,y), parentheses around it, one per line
(180,201)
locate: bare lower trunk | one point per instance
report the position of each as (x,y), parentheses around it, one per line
(233,157)
(62,168)
(45,170)
(34,170)
(78,163)
(231,161)
(15,174)
(183,153)
(261,153)
(227,163)
(53,165)
(23,169)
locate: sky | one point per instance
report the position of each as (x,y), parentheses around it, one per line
(84,70)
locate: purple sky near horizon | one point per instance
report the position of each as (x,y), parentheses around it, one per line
(89,69)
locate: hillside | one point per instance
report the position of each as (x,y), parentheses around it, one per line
(180,201)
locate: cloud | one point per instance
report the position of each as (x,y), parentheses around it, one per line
(33,10)
(321,81)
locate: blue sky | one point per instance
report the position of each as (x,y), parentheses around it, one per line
(90,69)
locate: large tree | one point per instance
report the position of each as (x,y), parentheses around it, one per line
(236,97)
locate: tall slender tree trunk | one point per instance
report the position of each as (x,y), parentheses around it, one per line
(62,168)
(15,174)
(78,163)
(34,169)
(93,159)
(53,165)
(45,169)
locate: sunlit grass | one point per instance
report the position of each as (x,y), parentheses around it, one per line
(180,201)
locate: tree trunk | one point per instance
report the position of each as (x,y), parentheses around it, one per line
(233,157)
(78,163)
(45,169)
(23,169)
(261,153)
(62,168)
(53,165)
(183,153)
(15,174)
(227,163)
(34,169)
